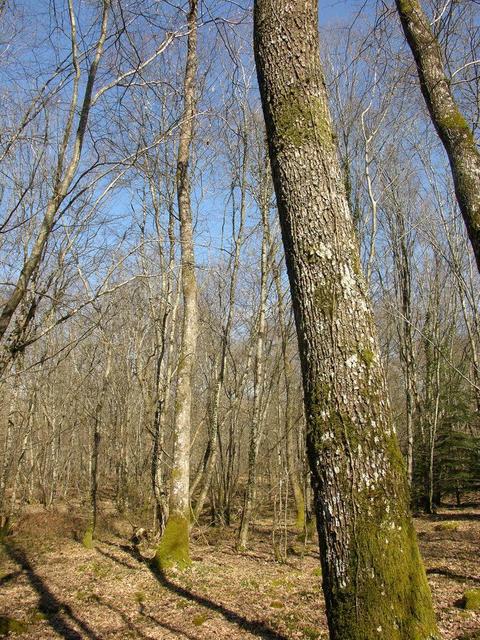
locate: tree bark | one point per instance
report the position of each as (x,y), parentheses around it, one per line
(451,126)
(373,577)
(173,548)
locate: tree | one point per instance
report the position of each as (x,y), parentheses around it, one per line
(373,577)
(173,546)
(451,125)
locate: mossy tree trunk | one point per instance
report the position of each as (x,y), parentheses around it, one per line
(373,577)
(173,548)
(451,126)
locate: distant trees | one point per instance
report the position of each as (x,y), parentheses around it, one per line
(351,444)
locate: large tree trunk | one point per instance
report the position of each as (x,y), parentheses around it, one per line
(173,548)
(450,124)
(373,577)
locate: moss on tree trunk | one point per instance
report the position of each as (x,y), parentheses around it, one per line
(173,549)
(373,578)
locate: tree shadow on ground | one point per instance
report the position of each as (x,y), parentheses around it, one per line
(256,628)
(58,614)
(9,577)
(454,515)
(457,577)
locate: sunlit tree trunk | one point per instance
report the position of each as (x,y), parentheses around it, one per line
(451,126)
(173,548)
(373,577)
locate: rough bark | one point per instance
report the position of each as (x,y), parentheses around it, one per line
(373,577)
(173,548)
(451,126)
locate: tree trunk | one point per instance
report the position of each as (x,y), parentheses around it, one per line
(290,456)
(258,384)
(451,126)
(373,577)
(173,548)
(63,178)
(211,458)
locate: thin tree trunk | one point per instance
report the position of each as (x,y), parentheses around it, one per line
(293,474)
(373,577)
(451,126)
(213,423)
(173,548)
(63,178)
(258,382)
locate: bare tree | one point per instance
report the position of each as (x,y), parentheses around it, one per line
(174,544)
(351,443)
(451,126)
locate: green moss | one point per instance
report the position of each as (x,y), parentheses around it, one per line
(200,619)
(390,584)
(406,6)
(367,357)
(87,539)
(140,597)
(173,550)
(300,517)
(471,600)
(447,526)
(317,571)
(311,633)
(11,625)
(325,299)
(457,123)
(302,119)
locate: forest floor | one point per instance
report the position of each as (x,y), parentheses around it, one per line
(53,587)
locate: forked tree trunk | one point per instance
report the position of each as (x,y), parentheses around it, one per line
(451,126)
(373,577)
(173,548)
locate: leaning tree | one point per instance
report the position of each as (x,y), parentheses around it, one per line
(373,577)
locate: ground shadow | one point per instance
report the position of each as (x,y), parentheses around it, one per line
(457,577)
(58,614)
(256,628)
(455,515)
(9,577)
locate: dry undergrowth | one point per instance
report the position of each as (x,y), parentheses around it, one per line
(54,588)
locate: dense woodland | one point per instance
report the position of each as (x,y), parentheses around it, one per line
(149,364)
